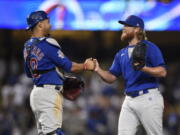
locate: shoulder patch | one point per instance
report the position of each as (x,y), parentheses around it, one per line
(53,42)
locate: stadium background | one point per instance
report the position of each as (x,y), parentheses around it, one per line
(96,111)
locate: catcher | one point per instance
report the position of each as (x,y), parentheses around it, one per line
(141,64)
(42,57)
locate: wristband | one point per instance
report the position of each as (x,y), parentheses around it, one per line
(84,66)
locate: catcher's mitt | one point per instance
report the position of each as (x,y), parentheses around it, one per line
(72,87)
(139,56)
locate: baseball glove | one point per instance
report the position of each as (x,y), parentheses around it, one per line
(139,56)
(72,87)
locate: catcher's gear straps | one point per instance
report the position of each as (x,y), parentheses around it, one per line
(53,42)
(29,49)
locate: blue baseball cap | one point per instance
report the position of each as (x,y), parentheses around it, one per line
(133,21)
(36,17)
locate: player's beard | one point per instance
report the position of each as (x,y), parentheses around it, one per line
(127,36)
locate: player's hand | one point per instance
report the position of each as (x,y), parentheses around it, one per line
(89,64)
(96,65)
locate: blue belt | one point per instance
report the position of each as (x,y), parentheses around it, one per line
(137,93)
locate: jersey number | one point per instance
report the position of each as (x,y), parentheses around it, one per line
(34,65)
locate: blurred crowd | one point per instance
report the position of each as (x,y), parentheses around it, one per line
(96,111)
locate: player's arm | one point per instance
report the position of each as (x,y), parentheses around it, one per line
(158,68)
(106,75)
(155,71)
(87,65)
(114,71)
(76,67)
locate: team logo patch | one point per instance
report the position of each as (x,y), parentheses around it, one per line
(60,54)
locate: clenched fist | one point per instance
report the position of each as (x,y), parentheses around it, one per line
(89,64)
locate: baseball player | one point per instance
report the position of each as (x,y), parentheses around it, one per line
(43,56)
(140,64)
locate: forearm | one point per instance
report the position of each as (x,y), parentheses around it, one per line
(155,71)
(106,75)
(77,67)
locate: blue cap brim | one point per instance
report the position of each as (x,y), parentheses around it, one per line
(124,23)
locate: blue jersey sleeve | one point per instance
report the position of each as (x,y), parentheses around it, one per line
(56,55)
(155,56)
(115,68)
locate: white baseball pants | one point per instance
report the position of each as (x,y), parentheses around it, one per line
(146,109)
(46,103)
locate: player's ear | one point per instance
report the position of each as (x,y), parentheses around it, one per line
(137,30)
(140,33)
(40,25)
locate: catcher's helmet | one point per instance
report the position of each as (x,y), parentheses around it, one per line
(35,17)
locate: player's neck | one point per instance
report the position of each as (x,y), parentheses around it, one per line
(37,34)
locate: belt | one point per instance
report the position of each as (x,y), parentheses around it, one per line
(57,87)
(139,93)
